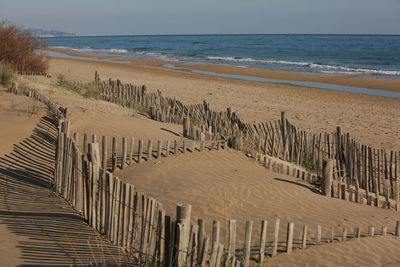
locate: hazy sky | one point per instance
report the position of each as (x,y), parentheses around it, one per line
(205,16)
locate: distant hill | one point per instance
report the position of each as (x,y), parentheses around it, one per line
(48,33)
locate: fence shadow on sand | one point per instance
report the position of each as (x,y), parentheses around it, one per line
(48,231)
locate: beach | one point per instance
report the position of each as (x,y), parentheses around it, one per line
(372,120)
(225,185)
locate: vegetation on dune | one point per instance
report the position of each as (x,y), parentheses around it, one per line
(87,90)
(19,49)
(6,74)
(141,109)
(309,164)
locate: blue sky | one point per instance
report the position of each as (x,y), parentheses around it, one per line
(205,16)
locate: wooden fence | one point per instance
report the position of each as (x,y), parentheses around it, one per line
(138,222)
(358,166)
(122,151)
(34,73)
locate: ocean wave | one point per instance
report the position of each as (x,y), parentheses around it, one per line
(240,59)
(96,50)
(156,55)
(105,51)
(322,67)
(356,70)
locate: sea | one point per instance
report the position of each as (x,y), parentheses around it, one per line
(361,55)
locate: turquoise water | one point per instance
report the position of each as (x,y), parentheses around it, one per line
(363,55)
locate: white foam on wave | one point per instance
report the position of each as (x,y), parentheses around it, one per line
(283,62)
(156,55)
(336,69)
(96,50)
(63,47)
(323,68)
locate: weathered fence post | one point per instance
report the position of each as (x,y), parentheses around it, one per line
(357,232)
(304,238)
(216,231)
(289,239)
(176,148)
(14,87)
(344,234)
(124,149)
(283,129)
(247,243)
(183,214)
(181,246)
(238,143)
(263,239)
(95,160)
(149,150)
(397,231)
(114,154)
(318,237)
(85,144)
(186,126)
(371,231)
(327,178)
(104,155)
(384,230)
(140,153)
(184,147)
(167,148)
(276,237)
(159,144)
(131,150)
(232,242)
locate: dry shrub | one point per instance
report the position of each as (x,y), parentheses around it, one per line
(17,48)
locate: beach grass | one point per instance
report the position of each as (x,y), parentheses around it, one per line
(87,90)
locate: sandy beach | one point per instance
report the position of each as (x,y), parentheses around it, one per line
(227,185)
(372,120)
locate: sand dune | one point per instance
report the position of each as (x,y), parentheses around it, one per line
(103,118)
(223,185)
(377,251)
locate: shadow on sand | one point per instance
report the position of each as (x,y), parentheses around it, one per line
(49,231)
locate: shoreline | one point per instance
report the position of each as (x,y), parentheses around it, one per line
(387,84)
(375,83)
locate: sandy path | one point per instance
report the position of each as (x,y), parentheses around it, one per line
(372,120)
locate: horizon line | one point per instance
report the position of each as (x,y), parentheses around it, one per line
(205,34)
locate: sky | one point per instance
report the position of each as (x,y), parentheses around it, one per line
(116,17)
